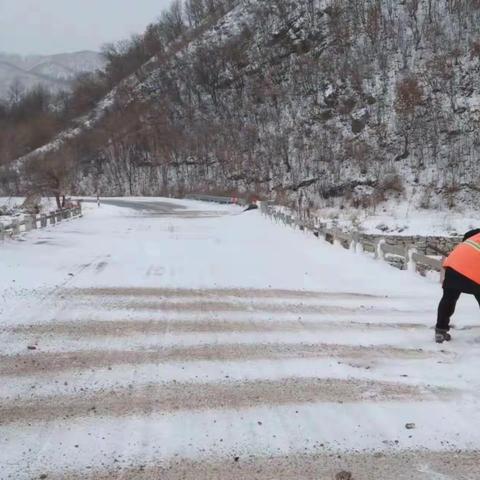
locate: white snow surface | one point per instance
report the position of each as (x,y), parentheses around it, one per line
(403,217)
(362,304)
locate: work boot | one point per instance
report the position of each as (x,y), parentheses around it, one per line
(442,335)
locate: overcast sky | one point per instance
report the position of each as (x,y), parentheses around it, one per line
(54,26)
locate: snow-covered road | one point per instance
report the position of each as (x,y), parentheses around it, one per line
(198,341)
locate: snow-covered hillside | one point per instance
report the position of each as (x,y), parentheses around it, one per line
(309,103)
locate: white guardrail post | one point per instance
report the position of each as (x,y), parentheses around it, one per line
(354,243)
(410,259)
(28,223)
(15,227)
(379,253)
(360,247)
(336,240)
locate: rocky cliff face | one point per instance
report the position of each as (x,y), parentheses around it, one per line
(304,102)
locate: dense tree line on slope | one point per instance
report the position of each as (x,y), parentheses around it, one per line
(29,119)
(294,99)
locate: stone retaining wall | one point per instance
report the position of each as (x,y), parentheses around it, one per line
(430,245)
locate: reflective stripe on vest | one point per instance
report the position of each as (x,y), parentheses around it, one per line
(473,244)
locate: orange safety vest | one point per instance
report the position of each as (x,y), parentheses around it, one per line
(465,259)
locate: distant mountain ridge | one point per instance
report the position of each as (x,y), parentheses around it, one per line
(54,72)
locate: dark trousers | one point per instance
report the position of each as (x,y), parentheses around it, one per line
(454,285)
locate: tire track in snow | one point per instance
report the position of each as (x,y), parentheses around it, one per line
(123,443)
(405,465)
(237,293)
(166,306)
(96,379)
(119,328)
(43,362)
(336,307)
(199,327)
(173,396)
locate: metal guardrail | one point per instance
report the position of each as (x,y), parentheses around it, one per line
(218,199)
(34,222)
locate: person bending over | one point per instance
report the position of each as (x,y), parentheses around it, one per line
(462,275)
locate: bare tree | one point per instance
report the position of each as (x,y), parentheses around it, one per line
(16,91)
(171,22)
(51,175)
(195,12)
